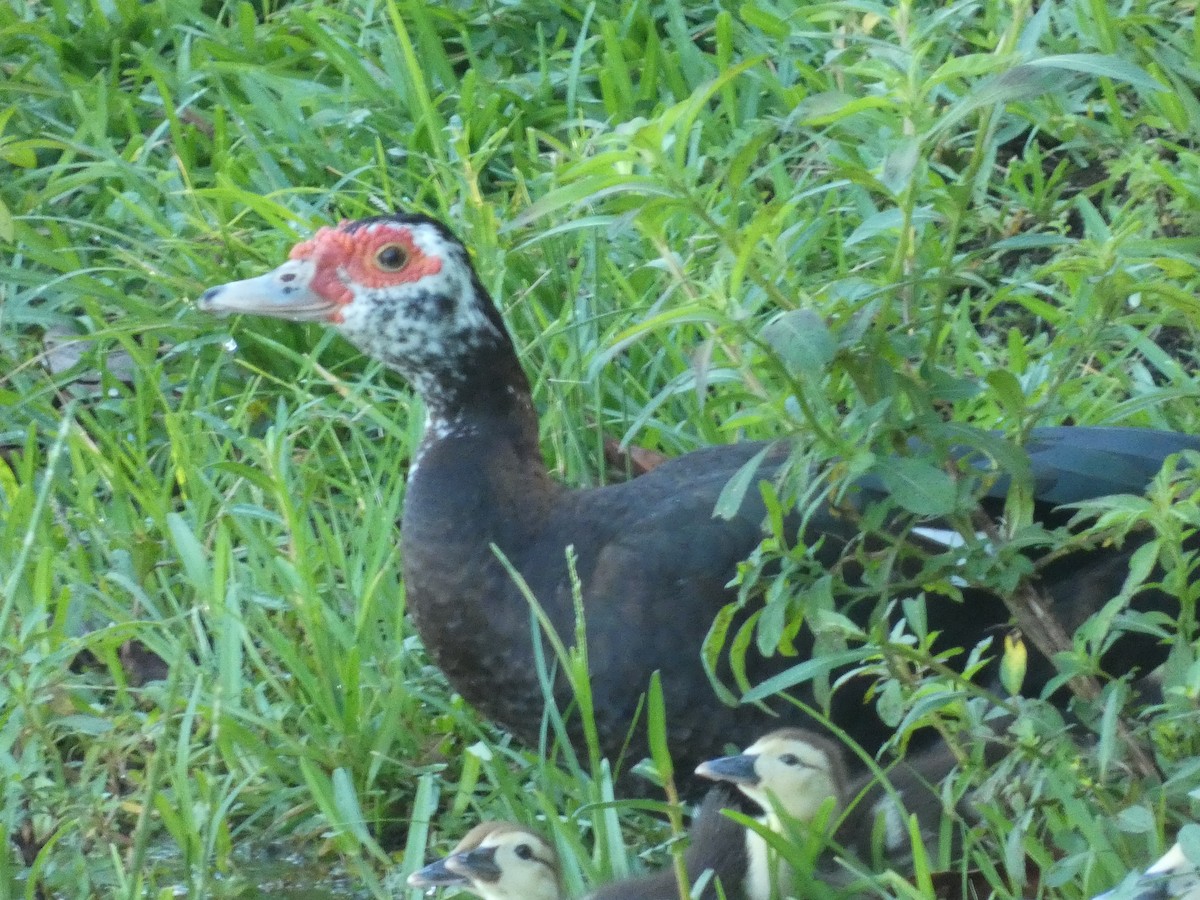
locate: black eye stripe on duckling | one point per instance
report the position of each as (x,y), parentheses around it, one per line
(526,852)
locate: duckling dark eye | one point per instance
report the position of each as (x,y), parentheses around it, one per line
(524,851)
(790,759)
(391,257)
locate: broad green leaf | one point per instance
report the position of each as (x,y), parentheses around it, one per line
(917,485)
(802,340)
(1136,820)
(756,16)
(888,220)
(1008,391)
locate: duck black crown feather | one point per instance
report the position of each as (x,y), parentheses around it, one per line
(653,560)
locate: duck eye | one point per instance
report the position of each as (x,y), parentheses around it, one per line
(790,759)
(391,257)
(523,851)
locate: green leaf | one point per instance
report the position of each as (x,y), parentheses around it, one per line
(191,555)
(84,724)
(1008,391)
(1100,65)
(887,221)
(1031,242)
(656,728)
(1189,841)
(1136,820)
(889,704)
(1040,76)
(967,65)
(802,340)
(757,17)
(1021,82)
(345,799)
(901,161)
(803,672)
(917,485)
(826,107)
(19,155)
(713,647)
(734,492)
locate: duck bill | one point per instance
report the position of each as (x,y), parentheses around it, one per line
(734,769)
(477,865)
(435,875)
(283,293)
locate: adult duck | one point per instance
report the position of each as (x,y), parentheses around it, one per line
(653,561)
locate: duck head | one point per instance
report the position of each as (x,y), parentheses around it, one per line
(497,861)
(791,769)
(400,287)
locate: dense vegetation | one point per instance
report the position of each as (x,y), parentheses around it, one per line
(853,221)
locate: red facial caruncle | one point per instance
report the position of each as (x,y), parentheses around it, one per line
(375,256)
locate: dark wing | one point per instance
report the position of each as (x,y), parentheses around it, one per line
(716,845)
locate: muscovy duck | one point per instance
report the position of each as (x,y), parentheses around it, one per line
(497,861)
(653,561)
(791,771)
(715,856)
(878,830)
(797,773)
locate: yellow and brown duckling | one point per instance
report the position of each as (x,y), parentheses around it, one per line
(497,861)
(798,773)
(506,861)
(792,771)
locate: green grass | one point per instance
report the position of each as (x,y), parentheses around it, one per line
(844,220)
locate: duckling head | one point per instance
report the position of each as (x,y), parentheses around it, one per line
(791,769)
(497,861)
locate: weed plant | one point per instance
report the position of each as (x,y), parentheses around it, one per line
(848,222)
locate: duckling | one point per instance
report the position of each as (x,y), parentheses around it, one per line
(715,855)
(796,772)
(790,771)
(1173,877)
(506,861)
(497,861)
(911,787)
